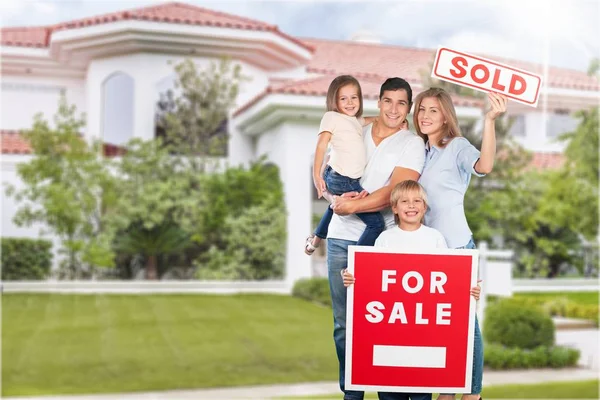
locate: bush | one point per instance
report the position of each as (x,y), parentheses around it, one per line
(313,289)
(513,324)
(254,246)
(499,357)
(25,259)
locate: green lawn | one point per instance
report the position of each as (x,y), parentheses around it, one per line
(561,390)
(54,344)
(577,297)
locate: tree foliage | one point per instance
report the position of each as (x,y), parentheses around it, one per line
(67,187)
(193,118)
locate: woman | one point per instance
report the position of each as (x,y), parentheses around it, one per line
(449,162)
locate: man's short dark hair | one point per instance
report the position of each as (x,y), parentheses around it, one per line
(394,84)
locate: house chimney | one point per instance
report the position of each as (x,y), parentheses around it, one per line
(365,36)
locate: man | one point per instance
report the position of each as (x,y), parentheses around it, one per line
(394,155)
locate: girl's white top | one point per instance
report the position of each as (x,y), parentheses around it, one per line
(348,155)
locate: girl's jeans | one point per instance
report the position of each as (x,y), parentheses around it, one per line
(339,184)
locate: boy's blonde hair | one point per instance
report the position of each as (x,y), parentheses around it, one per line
(406,187)
(451,127)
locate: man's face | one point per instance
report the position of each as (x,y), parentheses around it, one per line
(393,108)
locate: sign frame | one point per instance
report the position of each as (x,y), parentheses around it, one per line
(352,250)
(435,73)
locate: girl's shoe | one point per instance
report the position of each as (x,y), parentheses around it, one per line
(309,248)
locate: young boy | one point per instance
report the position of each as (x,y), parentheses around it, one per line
(409,204)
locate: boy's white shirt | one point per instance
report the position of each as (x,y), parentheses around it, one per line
(403,149)
(424,238)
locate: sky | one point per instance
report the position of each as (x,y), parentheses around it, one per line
(566,33)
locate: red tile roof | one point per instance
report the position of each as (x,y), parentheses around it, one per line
(345,57)
(11,142)
(317,86)
(174,12)
(330,58)
(543,161)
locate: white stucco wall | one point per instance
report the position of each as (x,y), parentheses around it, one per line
(9,207)
(151,74)
(290,146)
(21,97)
(536,134)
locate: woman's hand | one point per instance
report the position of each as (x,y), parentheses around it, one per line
(497,105)
(476,291)
(347,277)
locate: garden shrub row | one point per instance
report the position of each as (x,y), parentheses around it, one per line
(562,307)
(25,259)
(497,356)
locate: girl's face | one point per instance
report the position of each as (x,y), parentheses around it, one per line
(348,101)
(430,118)
(410,208)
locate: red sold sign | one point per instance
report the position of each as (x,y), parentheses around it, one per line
(486,75)
(410,320)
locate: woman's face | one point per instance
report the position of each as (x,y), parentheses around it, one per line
(430,118)
(348,101)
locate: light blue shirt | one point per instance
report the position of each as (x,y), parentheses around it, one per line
(446,177)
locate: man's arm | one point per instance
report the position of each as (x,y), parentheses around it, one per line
(379,199)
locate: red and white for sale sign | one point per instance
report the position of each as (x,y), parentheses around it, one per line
(410,320)
(487,75)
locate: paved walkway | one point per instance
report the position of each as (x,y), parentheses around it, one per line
(586,340)
(324,388)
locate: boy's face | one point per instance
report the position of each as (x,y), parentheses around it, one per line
(410,208)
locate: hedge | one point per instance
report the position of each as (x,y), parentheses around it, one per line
(500,357)
(25,259)
(562,307)
(313,289)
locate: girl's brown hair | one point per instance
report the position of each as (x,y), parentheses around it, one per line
(451,128)
(334,87)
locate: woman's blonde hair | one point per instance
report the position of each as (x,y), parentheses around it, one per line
(408,186)
(336,85)
(451,127)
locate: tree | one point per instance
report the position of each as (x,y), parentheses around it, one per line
(193,118)
(67,187)
(157,197)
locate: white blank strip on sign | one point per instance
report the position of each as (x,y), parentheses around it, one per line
(409,356)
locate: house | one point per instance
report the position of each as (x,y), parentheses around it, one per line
(114,66)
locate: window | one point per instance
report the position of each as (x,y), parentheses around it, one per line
(517,128)
(558,123)
(117,109)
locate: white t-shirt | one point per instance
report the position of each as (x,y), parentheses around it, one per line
(424,238)
(402,149)
(347,156)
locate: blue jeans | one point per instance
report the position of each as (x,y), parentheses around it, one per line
(339,184)
(477,380)
(337,260)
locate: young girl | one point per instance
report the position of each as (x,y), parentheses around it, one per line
(449,163)
(409,203)
(341,127)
